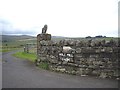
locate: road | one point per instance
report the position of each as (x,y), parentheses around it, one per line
(19,73)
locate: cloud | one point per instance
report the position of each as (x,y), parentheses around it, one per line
(76,18)
(7,28)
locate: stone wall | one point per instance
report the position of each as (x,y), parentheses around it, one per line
(90,57)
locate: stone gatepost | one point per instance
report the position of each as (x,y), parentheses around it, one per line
(42,39)
(42,44)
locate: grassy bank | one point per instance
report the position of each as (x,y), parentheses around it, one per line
(28,56)
(32,57)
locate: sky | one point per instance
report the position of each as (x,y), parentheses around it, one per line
(69,18)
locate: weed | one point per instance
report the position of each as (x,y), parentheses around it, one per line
(44,65)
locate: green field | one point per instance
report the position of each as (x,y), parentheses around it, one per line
(10,41)
(7,49)
(29,56)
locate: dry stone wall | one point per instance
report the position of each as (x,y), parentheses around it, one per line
(90,57)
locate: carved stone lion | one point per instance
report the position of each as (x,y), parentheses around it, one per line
(44,29)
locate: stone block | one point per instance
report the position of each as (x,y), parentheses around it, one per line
(103,75)
(45,37)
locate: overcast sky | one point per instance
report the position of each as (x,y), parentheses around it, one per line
(71,18)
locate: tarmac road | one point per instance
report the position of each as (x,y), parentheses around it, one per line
(19,73)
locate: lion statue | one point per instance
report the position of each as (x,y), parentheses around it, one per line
(44,29)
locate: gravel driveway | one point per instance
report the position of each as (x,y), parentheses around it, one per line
(19,73)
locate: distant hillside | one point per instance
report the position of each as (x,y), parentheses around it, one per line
(58,38)
(15,37)
(17,40)
(9,38)
(21,40)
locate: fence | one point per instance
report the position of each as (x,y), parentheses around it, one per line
(30,48)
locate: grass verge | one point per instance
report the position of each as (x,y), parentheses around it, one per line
(32,57)
(28,56)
